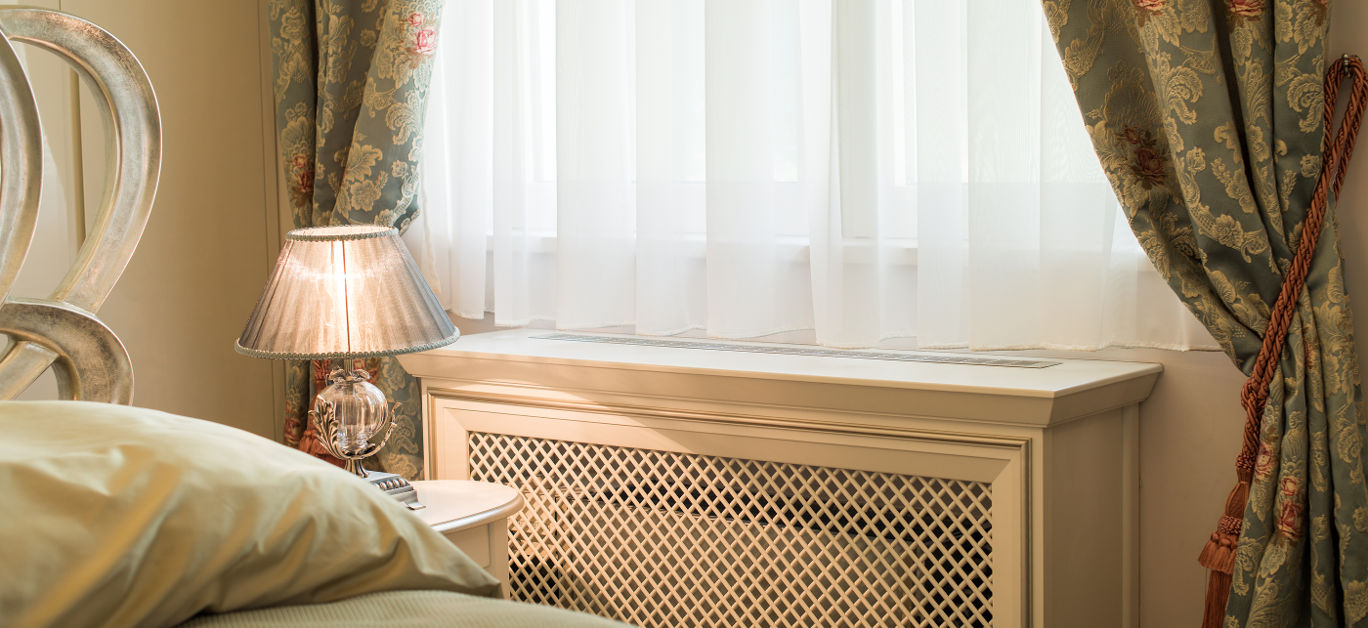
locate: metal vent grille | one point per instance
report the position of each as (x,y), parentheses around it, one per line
(664,539)
(741,347)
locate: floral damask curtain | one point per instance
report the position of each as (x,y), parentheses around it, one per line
(351,81)
(1207,117)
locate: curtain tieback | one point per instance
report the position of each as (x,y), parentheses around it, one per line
(1219,553)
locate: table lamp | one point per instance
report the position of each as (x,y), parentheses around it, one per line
(348,292)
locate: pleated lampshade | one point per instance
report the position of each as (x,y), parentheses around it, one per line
(345,292)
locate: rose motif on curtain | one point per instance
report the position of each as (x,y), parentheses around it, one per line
(1144,9)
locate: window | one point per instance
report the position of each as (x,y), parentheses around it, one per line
(866,170)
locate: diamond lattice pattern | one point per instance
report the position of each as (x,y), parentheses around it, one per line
(665,539)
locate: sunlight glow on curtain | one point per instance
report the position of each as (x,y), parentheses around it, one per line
(865,169)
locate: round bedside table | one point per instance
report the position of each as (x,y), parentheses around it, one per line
(474,516)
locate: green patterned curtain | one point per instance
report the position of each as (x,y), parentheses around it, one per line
(351,81)
(1206,115)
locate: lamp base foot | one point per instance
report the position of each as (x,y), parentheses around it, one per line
(397,487)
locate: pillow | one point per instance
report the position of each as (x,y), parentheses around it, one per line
(125,516)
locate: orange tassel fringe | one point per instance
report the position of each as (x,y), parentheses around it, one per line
(1219,554)
(1218,592)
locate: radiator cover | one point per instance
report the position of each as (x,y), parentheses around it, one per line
(663,539)
(670,486)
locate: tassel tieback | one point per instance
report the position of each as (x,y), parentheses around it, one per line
(1218,555)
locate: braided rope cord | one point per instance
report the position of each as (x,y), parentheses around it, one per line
(1334,163)
(1336,148)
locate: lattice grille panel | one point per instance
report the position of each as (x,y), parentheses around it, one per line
(664,539)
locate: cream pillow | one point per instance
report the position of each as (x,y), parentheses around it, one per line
(124,516)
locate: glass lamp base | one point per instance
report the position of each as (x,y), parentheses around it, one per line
(353,423)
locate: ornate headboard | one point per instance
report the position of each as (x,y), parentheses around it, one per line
(62,330)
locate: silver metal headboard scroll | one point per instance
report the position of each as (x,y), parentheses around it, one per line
(62,330)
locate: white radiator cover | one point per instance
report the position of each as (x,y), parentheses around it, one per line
(679,487)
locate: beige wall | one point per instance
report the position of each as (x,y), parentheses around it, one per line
(213,231)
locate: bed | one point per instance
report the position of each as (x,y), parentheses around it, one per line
(122,516)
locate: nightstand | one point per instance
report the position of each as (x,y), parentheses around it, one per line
(474,516)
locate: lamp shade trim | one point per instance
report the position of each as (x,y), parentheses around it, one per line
(253,353)
(341,233)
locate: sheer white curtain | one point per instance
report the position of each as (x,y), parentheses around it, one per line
(866,169)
